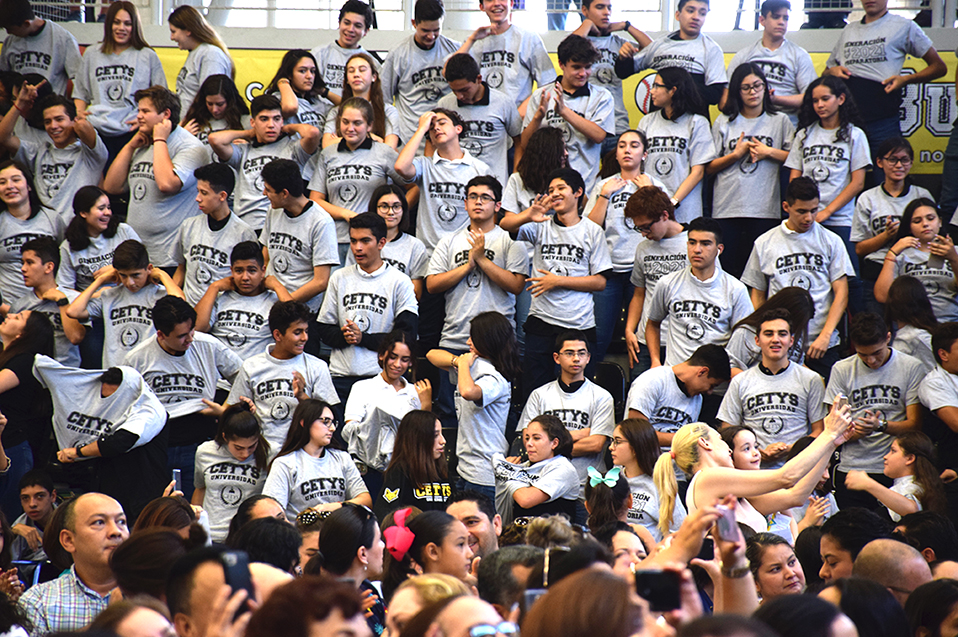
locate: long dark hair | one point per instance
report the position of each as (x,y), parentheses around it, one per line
(285,71)
(77,234)
(908,304)
(847,113)
(412,454)
(386,189)
(429,527)
(932,497)
(494,338)
(686,98)
(34,198)
(36,338)
(137,40)
(796,300)
(307,412)
(237,422)
(223,86)
(544,153)
(610,162)
(904,228)
(390,340)
(375,97)
(605,502)
(344,532)
(734,105)
(640,436)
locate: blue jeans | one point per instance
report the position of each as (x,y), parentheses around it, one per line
(523,302)
(21,461)
(463,485)
(948,201)
(739,235)
(877,132)
(856,300)
(445,394)
(183,458)
(609,304)
(823,366)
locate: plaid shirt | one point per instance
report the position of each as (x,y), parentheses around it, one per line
(65,604)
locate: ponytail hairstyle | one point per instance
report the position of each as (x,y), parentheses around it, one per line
(237,422)
(606,504)
(685,452)
(76,234)
(190,19)
(495,339)
(344,532)
(919,445)
(405,545)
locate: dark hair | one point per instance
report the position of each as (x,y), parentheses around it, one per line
(293,610)
(795,300)
(483,502)
(543,155)
(929,606)
(162,98)
(927,476)
(801,188)
(13,13)
(867,328)
(453,116)
(871,606)
(360,8)
(170,311)
(770,6)
(247,251)
(554,428)
(131,255)
(713,357)
(389,341)
(892,144)
(307,412)
(36,338)
(808,551)
(489,181)
(360,104)
(572,179)
(223,86)
(610,161)
(585,603)
(237,422)
(686,98)
(36,478)
(847,113)
(141,564)
(6,553)
(929,529)
(755,547)
(904,228)
(908,304)
(76,234)
(855,527)
(387,189)
(413,451)
(429,527)
(284,174)
(369,221)
(32,196)
(58,555)
(606,503)
(427,10)
(706,224)
(497,583)
(285,71)
(727,625)
(461,66)
(798,616)
(271,541)
(642,439)
(219,176)
(649,202)
(244,513)
(729,433)
(377,122)
(734,105)
(569,335)
(682,3)
(46,250)
(171,512)
(346,530)
(944,337)
(575,48)
(776,314)
(285,313)
(180,582)
(494,338)
(54,99)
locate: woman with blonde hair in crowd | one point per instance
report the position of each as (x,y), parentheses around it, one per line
(418,592)
(207,55)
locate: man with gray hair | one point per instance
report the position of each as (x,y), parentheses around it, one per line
(895,565)
(503,575)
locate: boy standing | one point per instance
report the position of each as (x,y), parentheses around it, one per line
(34,45)
(355,18)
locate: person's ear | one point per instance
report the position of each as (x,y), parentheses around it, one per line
(431,552)
(554,444)
(841,99)
(222,195)
(66,541)
(909,459)
(382,243)
(929,554)
(555,357)
(497,524)
(363,554)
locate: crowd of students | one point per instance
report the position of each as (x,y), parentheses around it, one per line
(294,304)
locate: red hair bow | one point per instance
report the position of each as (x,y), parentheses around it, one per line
(399,538)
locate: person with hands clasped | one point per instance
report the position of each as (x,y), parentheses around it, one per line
(922,252)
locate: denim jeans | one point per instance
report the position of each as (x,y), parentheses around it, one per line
(877,132)
(21,461)
(609,305)
(183,458)
(463,485)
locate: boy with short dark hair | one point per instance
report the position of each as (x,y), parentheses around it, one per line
(126,308)
(38,497)
(34,45)
(202,249)
(235,309)
(585,113)
(41,258)
(277,379)
(355,20)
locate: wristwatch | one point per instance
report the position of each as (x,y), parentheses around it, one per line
(882,426)
(627,25)
(63,302)
(79,451)
(735,573)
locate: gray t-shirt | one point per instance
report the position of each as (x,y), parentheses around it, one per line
(155,216)
(477,292)
(938,389)
(810,260)
(939,280)
(589,407)
(699,56)
(510,62)
(331,63)
(482,423)
(61,172)
(242,322)
(877,50)
(653,260)
(13,234)
(78,268)
(206,252)
(66,352)
(442,194)
(603,74)
(872,210)
(700,312)
(744,353)
(268,382)
(127,319)
(108,81)
(413,77)
(620,232)
(488,127)
(888,389)
(915,342)
(228,482)
(748,188)
(645,507)
(52,52)
(556,477)
(656,395)
(829,162)
(406,253)
(674,148)
(298,244)
(788,69)
(596,105)
(247,160)
(578,250)
(372,301)
(202,62)
(299,481)
(779,408)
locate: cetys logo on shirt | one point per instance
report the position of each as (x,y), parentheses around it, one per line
(231,495)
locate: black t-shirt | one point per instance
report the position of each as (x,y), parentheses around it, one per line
(26,406)
(398,491)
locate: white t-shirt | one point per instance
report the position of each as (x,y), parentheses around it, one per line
(915,342)
(374,410)
(939,280)
(512,60)
(247,161)
(299,481)
(127,319)
(872,210)
(406,253)
(13,234)
(78,268)
(907,487)
(556,477)
(228,482)
(202,62)
(242,322)
(482,423)
(656,394)
(699,56)
(603,74)
(442,198)
(653,260)
(645,507)
(51,52)
(206,252)
(60,172)
(788,69)
(620,232)
(67,353)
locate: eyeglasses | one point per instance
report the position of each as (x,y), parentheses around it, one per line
(488,630)
(657,85)
(484,198)
(758,87)
(385,207)
(619,441)
(327,422)
(895,161)
(568,353)
(646,227)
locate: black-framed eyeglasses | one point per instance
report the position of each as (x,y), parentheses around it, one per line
(395,207)
(758,87)
(489,630)
(484,198)
(895,161)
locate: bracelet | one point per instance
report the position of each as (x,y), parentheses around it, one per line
(9,465)
(22,112)
(735,573)
(283,79)
(455,361)
(628,25)
(606,197)
(156,141)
